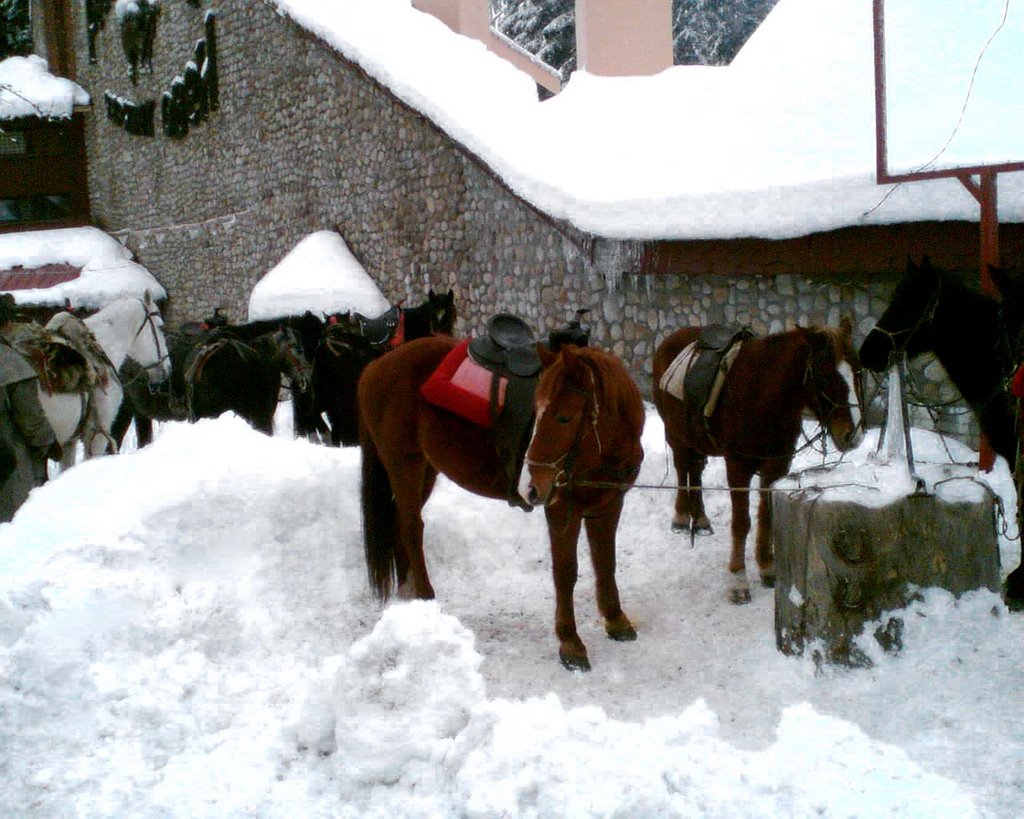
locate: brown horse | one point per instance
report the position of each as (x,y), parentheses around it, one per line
(756,424)
(585,452)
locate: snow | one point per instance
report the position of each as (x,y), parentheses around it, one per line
(28,89)
(319,274)
(187,630)
(108,269)
(781,143)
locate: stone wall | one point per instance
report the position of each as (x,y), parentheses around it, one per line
(303,141)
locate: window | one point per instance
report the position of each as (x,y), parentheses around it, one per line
(12,143)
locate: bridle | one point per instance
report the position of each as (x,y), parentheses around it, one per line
(563,465)
(824,405)
(288,345)
(900,338)
(163,353)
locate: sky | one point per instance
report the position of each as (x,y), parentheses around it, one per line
(187,630)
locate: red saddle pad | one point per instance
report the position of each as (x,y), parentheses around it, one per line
(463,387)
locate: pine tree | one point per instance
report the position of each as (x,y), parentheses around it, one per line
(15,31)
(711,32)
(704,32)
(544,28)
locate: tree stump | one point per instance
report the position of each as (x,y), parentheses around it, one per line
(841,564)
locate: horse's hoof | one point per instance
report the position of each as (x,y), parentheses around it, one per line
(704,530)
(621,632)
(574,662)
(680,528)
(739,597)
(768,581)
(1013,591)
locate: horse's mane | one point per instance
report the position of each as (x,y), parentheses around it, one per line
(589,368)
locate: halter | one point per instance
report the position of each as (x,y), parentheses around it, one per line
(924,320)
(824,406)
(563,474)
(296,362)
(149,320)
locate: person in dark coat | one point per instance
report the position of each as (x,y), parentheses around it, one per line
(25,434)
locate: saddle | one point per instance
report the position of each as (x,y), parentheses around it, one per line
(64,354)
(490,380)
(384,329)
(696,376)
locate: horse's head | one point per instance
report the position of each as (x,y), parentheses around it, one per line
(294,362)
(441,308)
(905,326)
(589,416)
(833,377)
(149,346)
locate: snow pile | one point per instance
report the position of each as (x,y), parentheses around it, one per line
(186,630)
(319,274)
(108,270)
(28,89)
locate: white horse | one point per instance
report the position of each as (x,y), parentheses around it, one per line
(126,328)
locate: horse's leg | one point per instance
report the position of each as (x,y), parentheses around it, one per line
(143,431)
(601,537)
(564,531)
(701,524)
(739,474)
(763,553)
(681,459)
(416,479)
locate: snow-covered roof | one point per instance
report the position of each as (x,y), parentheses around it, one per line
(108,271)
(780,143)
(319,274)
(28,89)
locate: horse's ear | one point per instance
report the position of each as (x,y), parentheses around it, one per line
(547,358)
(846,325)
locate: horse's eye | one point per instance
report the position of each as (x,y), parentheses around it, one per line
(563,419)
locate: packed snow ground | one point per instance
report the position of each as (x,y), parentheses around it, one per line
(187,630)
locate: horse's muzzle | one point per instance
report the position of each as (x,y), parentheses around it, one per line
(848,437)
(535,492)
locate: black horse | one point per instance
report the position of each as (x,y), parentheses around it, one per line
(350,342)
(975,338)
(217,368)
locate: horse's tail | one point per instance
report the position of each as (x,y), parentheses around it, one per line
(380,516)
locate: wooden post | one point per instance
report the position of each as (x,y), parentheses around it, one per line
(985,192)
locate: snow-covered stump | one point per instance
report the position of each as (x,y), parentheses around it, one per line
(840,564)
(856,540)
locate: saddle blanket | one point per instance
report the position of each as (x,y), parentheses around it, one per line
(673,380)
(463,387)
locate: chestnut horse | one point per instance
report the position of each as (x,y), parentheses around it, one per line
(755,427)
(976,339)
(584,454)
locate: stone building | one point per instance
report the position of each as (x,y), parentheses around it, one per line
(222,133)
